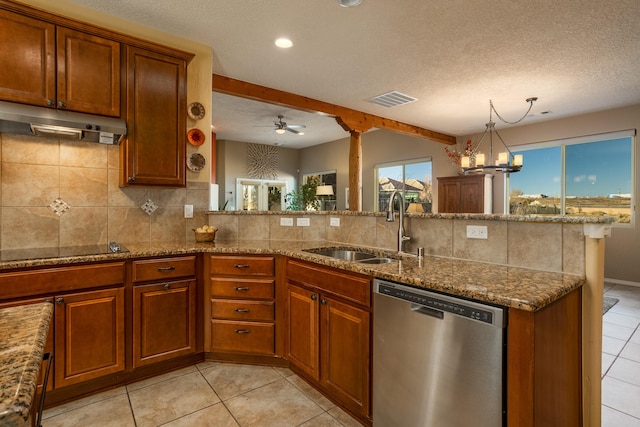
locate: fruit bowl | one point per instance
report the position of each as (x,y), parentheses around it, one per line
(203,234)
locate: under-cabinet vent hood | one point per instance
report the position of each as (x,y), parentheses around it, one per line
(48,122)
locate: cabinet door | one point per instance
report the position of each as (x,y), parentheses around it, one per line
(163,321)
(303,330)
(448,196)
(89,335)
(154,152)
(27,55)
(345,353)
(88,73)
(472,195)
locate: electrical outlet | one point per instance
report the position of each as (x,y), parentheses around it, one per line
(303,222)
(334,222)
(286,222)
(477,232)
(188,211)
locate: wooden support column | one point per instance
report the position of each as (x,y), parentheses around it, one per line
(355,171)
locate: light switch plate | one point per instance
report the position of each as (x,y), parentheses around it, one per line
(334,222)
(477,232)
(303,222)
(188,211)
(286,222)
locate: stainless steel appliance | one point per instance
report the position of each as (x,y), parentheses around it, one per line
(438,360)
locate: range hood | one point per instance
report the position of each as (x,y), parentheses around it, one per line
(48,122)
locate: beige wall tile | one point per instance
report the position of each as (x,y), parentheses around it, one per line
(30,227)
(125,196)
(29,185)
(81,226)
(354,230)
(573,250)
(227,226)
(280,232)
(30,150)
(83,154)
(536,246)
(387,233)
(434,235)
(84,186)
(168,196)
(253,227)
(317,229)
(493,249)
(113,157)
(128,225)
(167,225)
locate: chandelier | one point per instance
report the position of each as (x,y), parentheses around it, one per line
(477,163)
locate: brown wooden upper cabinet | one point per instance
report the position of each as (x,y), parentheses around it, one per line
(465,194)
(54,66)
(154,152)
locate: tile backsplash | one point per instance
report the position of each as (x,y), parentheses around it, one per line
(66,193)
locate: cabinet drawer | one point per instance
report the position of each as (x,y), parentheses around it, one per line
(163,268)
(348,286)
(242,310)
(60,279)
(242,265)
(242,337)
(245,288)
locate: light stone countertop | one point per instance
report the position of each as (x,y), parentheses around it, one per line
(514,287)
(24,333)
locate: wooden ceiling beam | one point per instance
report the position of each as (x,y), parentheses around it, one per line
(350,120)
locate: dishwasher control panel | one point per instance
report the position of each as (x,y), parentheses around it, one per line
(469,309)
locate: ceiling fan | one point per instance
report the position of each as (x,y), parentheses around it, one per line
(281,127)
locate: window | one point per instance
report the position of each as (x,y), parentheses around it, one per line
(413,178)
(260,194)
(578,177)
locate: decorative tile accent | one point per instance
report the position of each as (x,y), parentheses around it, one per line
(149,207)
(59,206)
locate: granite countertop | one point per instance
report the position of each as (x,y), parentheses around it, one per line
(514,287)
(24,333)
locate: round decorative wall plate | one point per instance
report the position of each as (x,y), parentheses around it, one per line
(195,162)
(195,137)
(195,110)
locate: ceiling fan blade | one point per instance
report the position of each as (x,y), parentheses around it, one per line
(296,126)
(292,130)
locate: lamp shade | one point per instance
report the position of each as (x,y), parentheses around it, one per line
(324,190)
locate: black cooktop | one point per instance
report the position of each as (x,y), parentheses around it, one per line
(60,252)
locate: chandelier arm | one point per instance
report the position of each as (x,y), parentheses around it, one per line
(529,100)
(503,144)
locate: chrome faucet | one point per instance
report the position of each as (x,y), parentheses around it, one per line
(390,218)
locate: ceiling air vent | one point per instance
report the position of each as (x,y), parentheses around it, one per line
(392,99)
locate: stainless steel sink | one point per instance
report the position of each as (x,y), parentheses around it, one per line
(343,254)
(383,260)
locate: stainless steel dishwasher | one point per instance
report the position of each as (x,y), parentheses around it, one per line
(438,360)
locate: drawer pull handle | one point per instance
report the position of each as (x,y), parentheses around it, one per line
(170,268)
(241,265)
(167,286)
(241,310)
(242,331)
(60,300)
(237,288)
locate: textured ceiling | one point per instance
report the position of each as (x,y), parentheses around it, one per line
(577,56)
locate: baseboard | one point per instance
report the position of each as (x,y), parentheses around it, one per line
(621,282)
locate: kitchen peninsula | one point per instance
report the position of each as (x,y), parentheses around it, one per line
(543,305)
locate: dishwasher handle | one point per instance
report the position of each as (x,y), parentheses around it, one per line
(427,311)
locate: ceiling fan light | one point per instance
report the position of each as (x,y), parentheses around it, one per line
(349,3)
(284,43)
(280,131)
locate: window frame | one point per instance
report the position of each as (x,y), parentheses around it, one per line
(403,163)
(563,143)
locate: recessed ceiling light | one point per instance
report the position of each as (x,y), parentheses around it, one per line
(349,3)
(284,43)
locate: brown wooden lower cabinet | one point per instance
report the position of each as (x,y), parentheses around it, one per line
(163,321)
(89,335)
(328,336)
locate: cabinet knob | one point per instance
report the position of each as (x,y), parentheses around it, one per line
(62,104)
(50,102)
(60,300)
(238,288)
(241,310)
(314,297)
(167,286)
(170,268)
(242,331)
(241,266)
(323,301)
(131,179)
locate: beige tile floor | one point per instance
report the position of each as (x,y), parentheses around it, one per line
(203,395)
(621,358)
(230,395)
